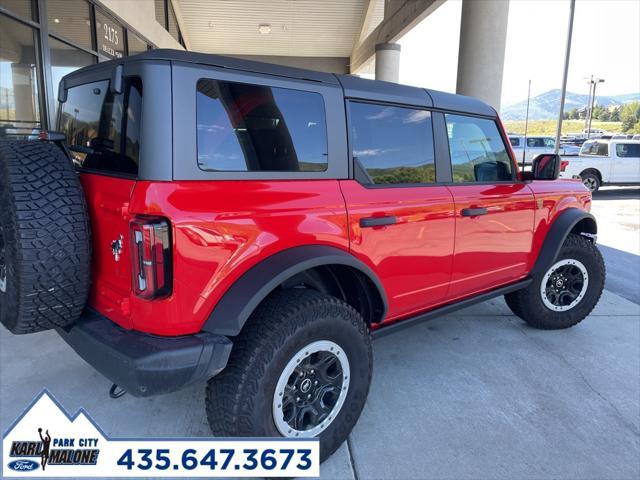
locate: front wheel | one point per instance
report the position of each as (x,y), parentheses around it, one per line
(567,292)
(300,368)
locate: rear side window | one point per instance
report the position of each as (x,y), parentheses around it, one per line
(595,148)
(103,129)
(628,150)
(257,128)
(478,153)
(393,145)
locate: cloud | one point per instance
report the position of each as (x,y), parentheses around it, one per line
(416,116)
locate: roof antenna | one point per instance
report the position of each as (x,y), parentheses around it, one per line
(526,126)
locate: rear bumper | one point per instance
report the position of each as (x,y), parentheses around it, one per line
(143,364)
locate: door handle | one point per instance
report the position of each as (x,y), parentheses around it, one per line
(377,221)
(474,212)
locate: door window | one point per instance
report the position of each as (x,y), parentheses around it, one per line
(515,141)
(478,153)
(392,145)
(624,150)
(257,128)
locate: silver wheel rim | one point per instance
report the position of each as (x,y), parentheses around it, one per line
(590,183)
(564,285)
(3,264)
(296,384)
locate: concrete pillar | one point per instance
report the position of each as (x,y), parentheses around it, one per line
(388,62)
(483,34)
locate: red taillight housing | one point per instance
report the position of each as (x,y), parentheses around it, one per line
(151,257)
(563,165)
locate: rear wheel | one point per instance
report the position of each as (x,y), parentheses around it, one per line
(44,238)
(591,181)
(300,368)
(567,292)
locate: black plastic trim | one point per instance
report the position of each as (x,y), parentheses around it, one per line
(144,364)
(452,307)
(556,236)
(234,308)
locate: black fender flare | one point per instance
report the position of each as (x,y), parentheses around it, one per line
(240,300)
(557,234)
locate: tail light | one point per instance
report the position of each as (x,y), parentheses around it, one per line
(563,165)
(151,257)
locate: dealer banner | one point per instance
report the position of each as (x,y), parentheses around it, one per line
(45,441)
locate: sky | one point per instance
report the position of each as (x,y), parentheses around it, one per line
(605,43)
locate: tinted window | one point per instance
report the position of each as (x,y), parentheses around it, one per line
(595,148)
(628,150)
(392,144)
(94,119)
(478,153)
(515,141)
(256,128)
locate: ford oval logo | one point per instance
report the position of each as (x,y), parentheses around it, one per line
(23,465)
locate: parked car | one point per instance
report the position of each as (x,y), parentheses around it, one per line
(635,137)
(243,226)
(605,162)
(532,146)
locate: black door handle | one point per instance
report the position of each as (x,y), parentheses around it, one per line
(474,212)
(377,221)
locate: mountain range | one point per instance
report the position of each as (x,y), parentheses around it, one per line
(545,106)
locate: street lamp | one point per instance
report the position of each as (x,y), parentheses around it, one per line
(593,82)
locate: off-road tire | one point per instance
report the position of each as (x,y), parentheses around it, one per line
(591,178)
(46,237)
(239,399)
(529,306)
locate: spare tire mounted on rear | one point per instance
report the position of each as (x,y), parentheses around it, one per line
(45,248)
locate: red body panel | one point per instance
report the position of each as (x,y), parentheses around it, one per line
(431,256)
(412,258)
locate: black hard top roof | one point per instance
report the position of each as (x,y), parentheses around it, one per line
(354,87)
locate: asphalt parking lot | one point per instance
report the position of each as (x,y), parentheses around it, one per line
(477,394)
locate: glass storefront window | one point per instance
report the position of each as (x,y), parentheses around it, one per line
(19,96)
(22,8)
(70,19)
(136,45)
(110,35)
(65,59)
(174,30)
(161,14)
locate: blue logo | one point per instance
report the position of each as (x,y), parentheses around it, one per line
(23,465)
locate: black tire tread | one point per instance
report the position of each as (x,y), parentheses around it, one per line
(521,301)
(230,395)
(46,223)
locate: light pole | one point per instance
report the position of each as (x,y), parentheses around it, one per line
(567,54)
(595,82)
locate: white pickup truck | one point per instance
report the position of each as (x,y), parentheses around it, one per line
(605,162)
(534,145)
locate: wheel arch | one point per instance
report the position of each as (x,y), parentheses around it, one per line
(571,220)
(355,282)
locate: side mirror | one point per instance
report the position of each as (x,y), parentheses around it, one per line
(546,166)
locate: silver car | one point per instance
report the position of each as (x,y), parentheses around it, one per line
(532,146)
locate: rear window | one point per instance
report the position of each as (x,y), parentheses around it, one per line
(595,148)
(624,150)
(256,128)
(102,128)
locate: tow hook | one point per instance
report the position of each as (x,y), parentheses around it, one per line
(116,392)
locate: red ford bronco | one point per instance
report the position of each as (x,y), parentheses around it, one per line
(207,219)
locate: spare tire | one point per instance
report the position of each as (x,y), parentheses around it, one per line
(45,247)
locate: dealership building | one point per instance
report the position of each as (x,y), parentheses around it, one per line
(43,40)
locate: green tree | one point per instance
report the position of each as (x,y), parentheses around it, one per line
(630,116)
(615,115)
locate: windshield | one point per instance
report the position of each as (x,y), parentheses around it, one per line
(102,129)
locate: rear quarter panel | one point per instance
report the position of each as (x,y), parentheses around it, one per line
(221,229)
